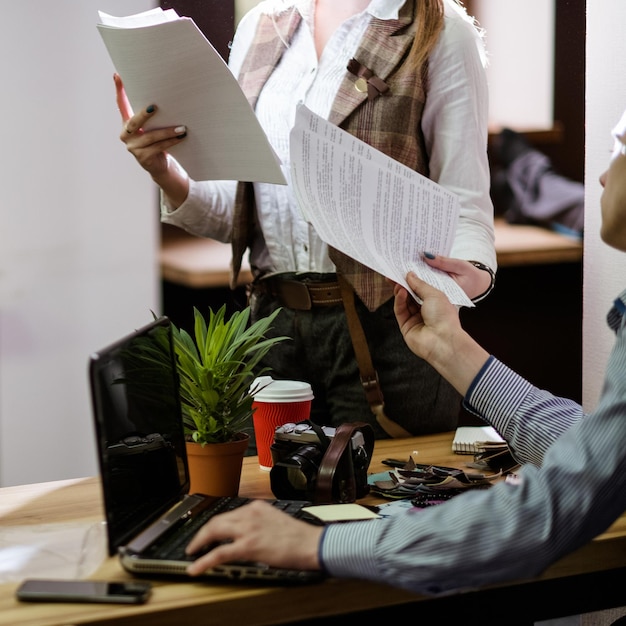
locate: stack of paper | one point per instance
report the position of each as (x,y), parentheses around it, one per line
(165,59)
(371,207)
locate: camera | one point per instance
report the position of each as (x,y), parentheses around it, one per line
(321,464)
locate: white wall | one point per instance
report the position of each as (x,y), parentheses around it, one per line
(242,7)
(78,234)
(604,268)
(520,41)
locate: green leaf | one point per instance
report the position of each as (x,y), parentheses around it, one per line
(216,368)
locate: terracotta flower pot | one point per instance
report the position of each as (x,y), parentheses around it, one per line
(215,469)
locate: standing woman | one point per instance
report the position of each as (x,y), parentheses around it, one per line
(408,78)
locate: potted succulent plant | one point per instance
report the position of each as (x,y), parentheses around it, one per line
(216,367)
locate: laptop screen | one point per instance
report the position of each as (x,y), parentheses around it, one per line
(139,430)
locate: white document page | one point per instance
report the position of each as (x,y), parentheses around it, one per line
(165,60)
(371,207)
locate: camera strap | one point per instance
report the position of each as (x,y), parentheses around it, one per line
(369,376)
(321,435)
(338,462)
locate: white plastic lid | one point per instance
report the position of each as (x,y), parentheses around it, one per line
(270,390)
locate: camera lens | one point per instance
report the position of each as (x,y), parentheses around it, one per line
(296,479)
(294,476)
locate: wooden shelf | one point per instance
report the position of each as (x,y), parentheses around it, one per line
(196,262)
(536,137)
(518,244)
(202,263)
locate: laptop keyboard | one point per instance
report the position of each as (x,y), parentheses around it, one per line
(172,547)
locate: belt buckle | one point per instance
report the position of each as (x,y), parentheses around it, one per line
(294,294)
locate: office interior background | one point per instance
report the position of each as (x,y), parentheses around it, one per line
(79,235)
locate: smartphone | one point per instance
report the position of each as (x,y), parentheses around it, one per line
(39,590)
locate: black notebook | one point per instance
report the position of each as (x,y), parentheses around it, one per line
(150,516)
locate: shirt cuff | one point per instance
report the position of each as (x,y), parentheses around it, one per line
(495,393)
(347,550)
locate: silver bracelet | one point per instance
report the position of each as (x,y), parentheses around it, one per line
(492,274)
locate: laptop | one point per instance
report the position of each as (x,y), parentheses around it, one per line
(150,516)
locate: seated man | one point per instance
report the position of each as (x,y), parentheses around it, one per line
(571,487)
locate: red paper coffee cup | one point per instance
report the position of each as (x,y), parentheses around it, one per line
(277,402)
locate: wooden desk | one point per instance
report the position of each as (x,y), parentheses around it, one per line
(563,589)
(196,262)
(202,263)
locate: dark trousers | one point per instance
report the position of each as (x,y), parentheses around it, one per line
(320,352)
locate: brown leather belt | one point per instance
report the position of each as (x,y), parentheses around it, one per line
(300,294)
(303,292)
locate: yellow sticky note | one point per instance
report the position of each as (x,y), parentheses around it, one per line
(341,512)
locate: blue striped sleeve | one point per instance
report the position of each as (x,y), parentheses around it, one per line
(573,488)
(530,419)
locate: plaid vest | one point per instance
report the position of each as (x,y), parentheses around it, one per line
(389,122)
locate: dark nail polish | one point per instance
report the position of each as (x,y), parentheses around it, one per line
(150,109)
(429,255)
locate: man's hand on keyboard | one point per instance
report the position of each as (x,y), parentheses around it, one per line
(256,532)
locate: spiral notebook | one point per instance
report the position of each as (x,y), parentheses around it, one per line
(470,439)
